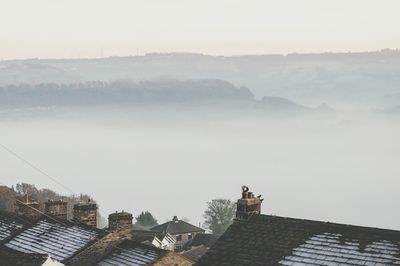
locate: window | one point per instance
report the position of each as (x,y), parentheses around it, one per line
(178,237)
(190,236)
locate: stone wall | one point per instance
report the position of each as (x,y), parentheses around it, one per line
(120,221)
(86,213)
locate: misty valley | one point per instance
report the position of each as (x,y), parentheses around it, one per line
(199,133)
(160,138)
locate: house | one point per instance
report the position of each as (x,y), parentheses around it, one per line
(256,239)
(49,239)
(121,224)
(61,240)
(181,230)
(157,239)
(35,238)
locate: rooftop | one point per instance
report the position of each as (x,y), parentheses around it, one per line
(147,235)
(195,253)
(60,240)
(273,240)
(201,240)
(176,226)
(132,253)
(9,224)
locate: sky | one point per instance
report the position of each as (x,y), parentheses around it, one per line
(101,28)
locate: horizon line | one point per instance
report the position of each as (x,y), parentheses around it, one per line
(202,54)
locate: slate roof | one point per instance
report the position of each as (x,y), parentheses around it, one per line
(132,253)
(9,224)
(201,240)
(195,248)
(60,240)
(272,240)
(176,226)
(146,235)
(195,253)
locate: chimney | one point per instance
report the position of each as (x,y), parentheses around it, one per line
(86,213)
(28,208)
(120,221)
(56,208)
(248,205)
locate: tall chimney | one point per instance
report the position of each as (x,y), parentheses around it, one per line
(56,208)
(28,208)
(248,205)
(120,221)
(86,213)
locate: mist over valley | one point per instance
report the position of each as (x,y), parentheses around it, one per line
(126,140)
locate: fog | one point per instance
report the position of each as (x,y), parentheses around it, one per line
(315,134)
(341,167)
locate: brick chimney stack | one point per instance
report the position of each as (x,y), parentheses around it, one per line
(248,205)
(86,213)
(56,208)
(28,207)
(120,221)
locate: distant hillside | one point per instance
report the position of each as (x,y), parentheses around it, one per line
(120,92)
(363,78)
(190,93)
(278,104)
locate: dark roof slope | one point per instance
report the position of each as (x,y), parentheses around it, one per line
(195,253)
(147,235)
(201,239)
(132,253)
(177,227)
(271,240)
(95,252)
(9,257)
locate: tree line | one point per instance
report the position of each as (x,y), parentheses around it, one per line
(218,215)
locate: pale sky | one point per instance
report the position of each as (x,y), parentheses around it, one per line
(94,28)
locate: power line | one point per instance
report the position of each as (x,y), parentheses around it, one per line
(35,167)
(54,180)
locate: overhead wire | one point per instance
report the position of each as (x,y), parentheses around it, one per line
(38,169)
(33,166)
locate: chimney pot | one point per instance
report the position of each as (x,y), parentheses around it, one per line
(248,205)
